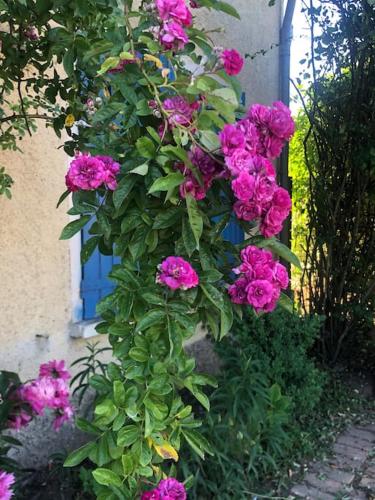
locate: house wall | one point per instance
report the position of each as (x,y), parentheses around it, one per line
(35,267)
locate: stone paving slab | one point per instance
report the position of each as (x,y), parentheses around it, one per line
(349,474)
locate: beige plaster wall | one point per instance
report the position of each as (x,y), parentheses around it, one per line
(35,290)
(257,30)
(35,271)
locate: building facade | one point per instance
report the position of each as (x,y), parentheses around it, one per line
(46,307)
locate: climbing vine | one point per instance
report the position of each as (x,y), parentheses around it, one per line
(163,159)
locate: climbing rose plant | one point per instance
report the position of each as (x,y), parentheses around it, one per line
(164,158)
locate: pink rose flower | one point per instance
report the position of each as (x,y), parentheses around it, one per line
(237,291)
(247,211)
(175,9)
(32,33)
(180,111)
(151,495)
(18,420)
(281,122)
(243,186)
(231,139)
(62,415)
(85,172)
(265,187)
(260,294)
(192,187)
(281,199)
(7,479)
(172,36)
(281,275)
(251,133)
(240,161)
(171,489)
(175,272)
(233,62)
(54,369)
(112,168)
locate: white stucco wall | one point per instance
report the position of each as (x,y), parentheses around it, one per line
(35,267)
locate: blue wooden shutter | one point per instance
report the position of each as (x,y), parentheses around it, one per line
(95,283)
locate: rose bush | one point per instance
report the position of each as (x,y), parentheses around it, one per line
(164,158)
(182,161)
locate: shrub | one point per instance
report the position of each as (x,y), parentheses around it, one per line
(280,342)
(247,424)
(268,388)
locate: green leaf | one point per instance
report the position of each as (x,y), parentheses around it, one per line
(68,61)
(167,218)
(151,318)
(286,303)
(141,170)
(88,248)
(195,218)
(214,295)
(127,464)
(188,237)
(63,196)
(277,248)
(107,477)
(118,393)
(226,317)
(109,63)
(227,8)
(170,181)
(139,354)
(146,147)
(209,140)
(74,227)
(199,444)
(86,426)
(79,455)
(128,435)
(123,189)
(228,95)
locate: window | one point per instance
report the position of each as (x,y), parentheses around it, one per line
(95,283)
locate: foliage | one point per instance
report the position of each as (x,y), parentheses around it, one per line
(119,79)
(247,424)
(339,272)
(89,365)
(281,343)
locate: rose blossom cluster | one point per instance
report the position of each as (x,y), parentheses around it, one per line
(177,273)
(167,489)
(261,280)
(6,481)
(49,391)
(247,147)
(174,15)
(90,172)
(208,169)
